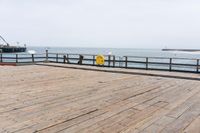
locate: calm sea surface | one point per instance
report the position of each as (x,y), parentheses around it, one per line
(118,52)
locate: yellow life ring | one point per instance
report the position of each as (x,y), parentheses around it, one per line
(100,60)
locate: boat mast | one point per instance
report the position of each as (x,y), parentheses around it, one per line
(4,40)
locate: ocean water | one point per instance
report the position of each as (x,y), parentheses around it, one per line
(118,52)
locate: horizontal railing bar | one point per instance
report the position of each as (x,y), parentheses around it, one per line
(22,57)
(80,54)
(8,57)
(70,54)
(30,61)
(161,57)
(180,64)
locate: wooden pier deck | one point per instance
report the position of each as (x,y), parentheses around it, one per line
(47,99)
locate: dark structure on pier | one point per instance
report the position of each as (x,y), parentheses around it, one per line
(6,48)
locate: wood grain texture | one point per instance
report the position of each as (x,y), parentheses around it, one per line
(48,99)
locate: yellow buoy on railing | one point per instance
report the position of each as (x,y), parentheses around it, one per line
(100,60)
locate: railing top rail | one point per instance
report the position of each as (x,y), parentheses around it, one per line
(70,54)
(80,54)
(21,54)
(153,57)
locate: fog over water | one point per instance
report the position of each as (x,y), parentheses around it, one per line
(102,23)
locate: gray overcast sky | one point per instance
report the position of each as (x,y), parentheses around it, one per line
(102,23)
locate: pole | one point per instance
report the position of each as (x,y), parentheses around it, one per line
(170,64)
(109,60)
(33,58)
(147,60)
(1,58)
(57,58)
(47,55)
(113,61)
(16,58)
(197,65)
(64,59)
(126,61)
(93,60)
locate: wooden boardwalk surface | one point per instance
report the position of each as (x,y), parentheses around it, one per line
(46,99)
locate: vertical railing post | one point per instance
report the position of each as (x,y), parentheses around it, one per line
(120,63)
(147,61)
(64,59)
(67,58)
(57,58)
(109,60)
(126,62)
(81,57)
(1,58)
(170,64)
(93,60)
(197,65)
(16,58)
(33,58)
(47,55)
(113,61)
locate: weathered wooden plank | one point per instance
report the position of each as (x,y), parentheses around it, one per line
(184,120)
(50,99)
(179,110)
(194,127)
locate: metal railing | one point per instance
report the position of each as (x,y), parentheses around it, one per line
(128,62)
